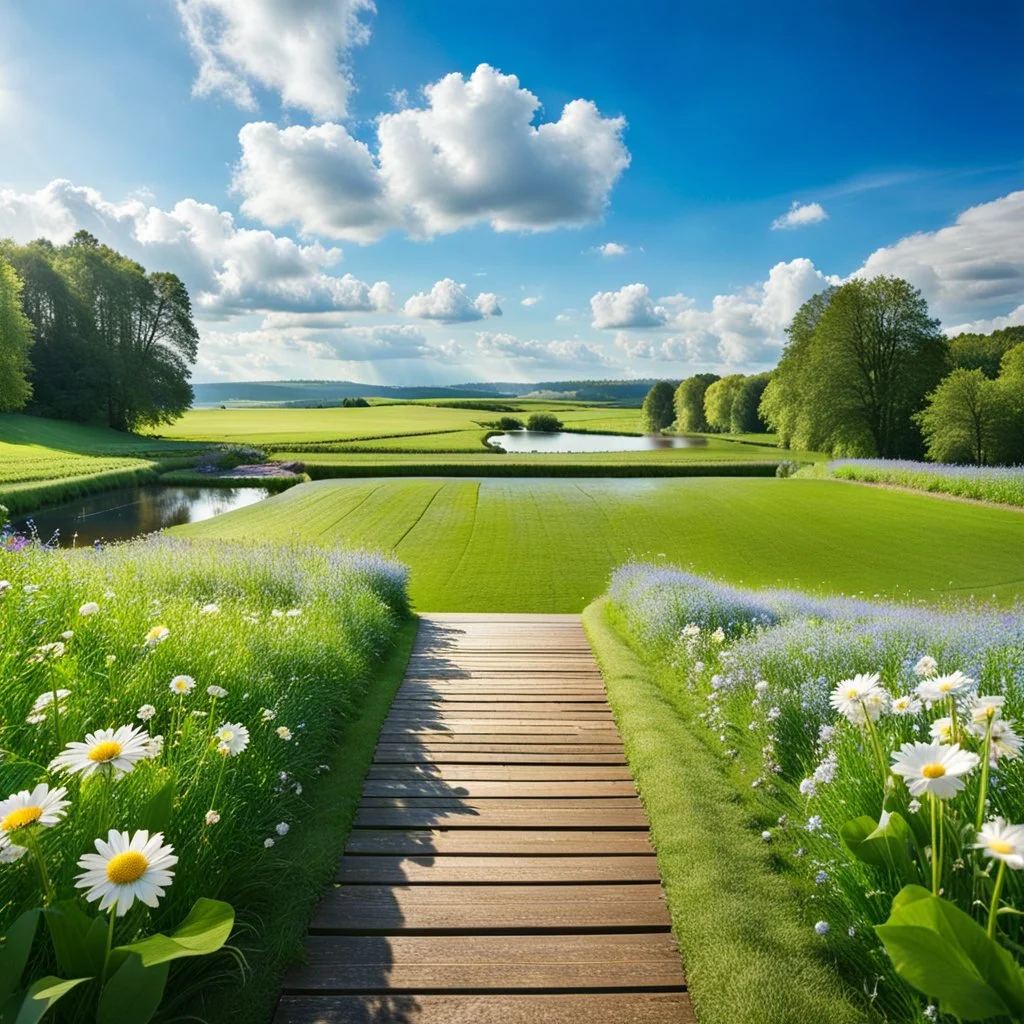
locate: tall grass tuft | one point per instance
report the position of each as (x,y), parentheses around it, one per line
(280,640)
(1001,484)
(757,672)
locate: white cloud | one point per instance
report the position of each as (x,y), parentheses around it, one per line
(574,354)
(612,249)
(799,215)
(448,302)
(1015,318)
(530,300)
(972,265)
(298,48)
(562,318)
(470,155)
(630,306)
(363,344)
(227,268)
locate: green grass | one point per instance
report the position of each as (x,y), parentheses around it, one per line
(311,669)
(549,545)
(748,957)
(44,461)
(308,871)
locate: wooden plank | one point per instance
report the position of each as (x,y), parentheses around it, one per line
(503,870)
(512,814)
(567,1008)
(494,842)
(495,805)
(555,790)
(467,745)
(486,963)
(483,909)
(500,772)
(415,756)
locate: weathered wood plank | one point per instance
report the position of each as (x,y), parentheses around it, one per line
(486,963)
(497,842)
(473,790)
(511,814)
(500,772)
(482,909)
(504,870)
(442,757)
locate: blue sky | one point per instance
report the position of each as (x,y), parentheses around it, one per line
(897,133)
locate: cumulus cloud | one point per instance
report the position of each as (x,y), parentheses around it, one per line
(799,215)
(573,353)
(612,249)
(227,268)
(363,344)
(448,302)
(471,154)
(973,264)
(630,306)
(299,49)
(530,300)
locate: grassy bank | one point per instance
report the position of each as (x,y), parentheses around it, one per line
(1002,485)
(22,498)
(279,645)
(550,545)
(190,478)
(304,873)
(747,956)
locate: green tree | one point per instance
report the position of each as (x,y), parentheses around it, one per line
(861,359)
(719,399)
(658,411)
(1011,383)
(983,351)
(689,403)
(547,422)
(745,416)
(15,339)
(966,419)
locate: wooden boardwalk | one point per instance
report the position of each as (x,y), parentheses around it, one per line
(499,870)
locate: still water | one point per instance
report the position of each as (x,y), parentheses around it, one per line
(566,441)
(132,511)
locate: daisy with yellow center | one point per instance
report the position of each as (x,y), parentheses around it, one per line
(1005,843)
(232,738)
(41,806)
(113,752)
(941,687)
(182,685)
(157,635)
(934,768)
(125,868)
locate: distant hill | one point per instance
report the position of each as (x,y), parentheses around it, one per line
(328,392)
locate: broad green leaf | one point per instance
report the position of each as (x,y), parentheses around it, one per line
(133,993)
(204,931)
(42,995)
(79,939)
(156,815)
(886,844)
(15,951)
(948,956)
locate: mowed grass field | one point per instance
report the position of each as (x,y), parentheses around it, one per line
(549,545)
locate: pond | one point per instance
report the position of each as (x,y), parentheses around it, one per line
(133,511)
(565,441)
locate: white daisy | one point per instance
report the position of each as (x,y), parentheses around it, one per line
(933,768)
(282,828)
(984,709)
(212,817)
(109,660)
(154,747)
(209,609)
(719,635)
(926,667)
(1003,842)
(1003,741)
(232,738)
(182,685)
(905,705)
(42,703)
(268,842)
(859,698)
(268,715)
(9,853)
(216,691)
(5,585)
(690,631)
(89,608)
(47,651)
(67,634)
(125,868)
(284,732)
(41,806)
(157,635)
(146,712)
(942,730)
(940,687)
(106,750)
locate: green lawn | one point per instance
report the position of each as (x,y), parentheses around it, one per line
(549,545)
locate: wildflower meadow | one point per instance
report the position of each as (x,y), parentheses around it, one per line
(1001,484)
(165,706)
(878,749)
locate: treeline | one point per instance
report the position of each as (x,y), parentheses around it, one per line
(87,334)
(707,403)
(867,372)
